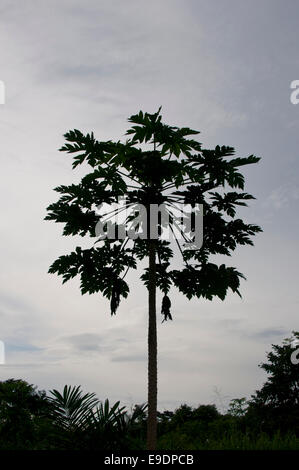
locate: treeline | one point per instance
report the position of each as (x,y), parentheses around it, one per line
(72,420)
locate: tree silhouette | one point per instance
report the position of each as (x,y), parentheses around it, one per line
(23,414)
(157,166)
(276,404)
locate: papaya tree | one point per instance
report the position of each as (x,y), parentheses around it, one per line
(156,165)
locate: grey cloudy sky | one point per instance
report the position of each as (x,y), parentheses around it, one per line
(223,68)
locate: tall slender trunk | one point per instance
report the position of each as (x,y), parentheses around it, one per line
(152,351)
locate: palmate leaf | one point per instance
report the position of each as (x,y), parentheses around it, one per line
(228,201)
(217,169)
(99,270)
(170,138)
(207,281)
(77,221)
(240,161)
(163,278)
(67,266)
(91,192)
(91,150)
(227,234)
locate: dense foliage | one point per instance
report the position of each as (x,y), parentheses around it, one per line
(70,420)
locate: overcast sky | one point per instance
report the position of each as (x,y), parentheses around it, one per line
(223,68)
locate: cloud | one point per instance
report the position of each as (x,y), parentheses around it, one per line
(268,334)
(107,344)
(10,303)
(85,342)
(21,347)
(130,358)
(284,196)
(222,69)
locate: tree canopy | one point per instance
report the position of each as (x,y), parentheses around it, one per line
(157,164)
